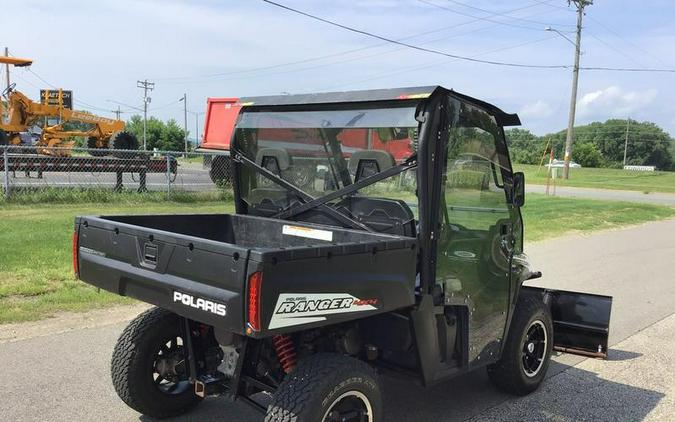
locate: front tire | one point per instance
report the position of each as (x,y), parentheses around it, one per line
(148,366)
(325,388)
(527,352)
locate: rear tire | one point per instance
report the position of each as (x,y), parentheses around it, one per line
(527,352)
(4,138)
(327,387)
(94,151)
(123,142)
(221,170)
(144,347)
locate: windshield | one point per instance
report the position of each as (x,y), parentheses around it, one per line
(319,151)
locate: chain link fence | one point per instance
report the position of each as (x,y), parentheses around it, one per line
(31,173)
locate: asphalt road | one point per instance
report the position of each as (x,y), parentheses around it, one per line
(65,376)
(195,177)
(190,177)
(660,198)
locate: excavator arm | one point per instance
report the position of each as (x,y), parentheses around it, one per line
(24,113)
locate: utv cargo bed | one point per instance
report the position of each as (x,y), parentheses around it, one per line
(200,266)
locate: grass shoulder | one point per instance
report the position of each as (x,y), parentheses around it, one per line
(603,178)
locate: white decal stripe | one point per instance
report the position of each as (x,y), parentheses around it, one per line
(307,232)
(304,308)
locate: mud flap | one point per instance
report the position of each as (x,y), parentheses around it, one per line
(580,321)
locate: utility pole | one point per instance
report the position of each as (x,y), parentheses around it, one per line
(580,4)
(625,145)
(146,86)
(185,132)
(2,109)
(117,112)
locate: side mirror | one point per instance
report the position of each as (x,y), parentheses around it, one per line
(518,195)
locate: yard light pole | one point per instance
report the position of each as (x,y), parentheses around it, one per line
(569,141)
(196,114)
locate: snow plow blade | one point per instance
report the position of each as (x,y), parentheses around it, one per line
(580,321)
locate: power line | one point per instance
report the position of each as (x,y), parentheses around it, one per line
(430,65)
(456,56)
(303,69)
(628,69)
(438,6)
(346,52)
(626,40)
(413,46)
(76,101)
(614,49)
(507,15)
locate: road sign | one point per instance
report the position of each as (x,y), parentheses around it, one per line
(51,97)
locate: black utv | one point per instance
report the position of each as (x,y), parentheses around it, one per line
(376,233)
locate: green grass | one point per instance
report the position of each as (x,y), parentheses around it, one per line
(657,181)
(53,195)
(36,278)
(546,217)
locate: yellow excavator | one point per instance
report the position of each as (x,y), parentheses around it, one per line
(23,114)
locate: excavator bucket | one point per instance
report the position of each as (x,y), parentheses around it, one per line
(580,321)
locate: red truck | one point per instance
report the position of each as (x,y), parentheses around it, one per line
(221,118)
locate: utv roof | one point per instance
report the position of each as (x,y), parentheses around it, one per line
(392,94)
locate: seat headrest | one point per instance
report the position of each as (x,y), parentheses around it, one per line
(368,162)
(264,155)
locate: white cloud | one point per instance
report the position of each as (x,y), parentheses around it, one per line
(536,110)
(614,101)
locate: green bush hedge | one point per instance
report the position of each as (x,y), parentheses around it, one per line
(468,179)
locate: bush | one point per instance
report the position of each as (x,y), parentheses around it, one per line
(468,179)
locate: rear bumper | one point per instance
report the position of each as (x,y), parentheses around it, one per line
(197,301)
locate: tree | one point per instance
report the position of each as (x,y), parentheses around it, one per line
(524,146)
(588,155)
(648,144)
(173,137)
(163,136)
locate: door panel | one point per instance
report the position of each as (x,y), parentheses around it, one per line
(476,241)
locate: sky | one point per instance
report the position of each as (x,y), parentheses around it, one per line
(232,48)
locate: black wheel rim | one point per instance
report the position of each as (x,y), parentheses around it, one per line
(169,367)
(534,348)
(352,406)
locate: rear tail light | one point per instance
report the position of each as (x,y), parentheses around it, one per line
(76,266)
(253,314)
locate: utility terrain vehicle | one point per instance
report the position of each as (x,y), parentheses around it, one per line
(300,301)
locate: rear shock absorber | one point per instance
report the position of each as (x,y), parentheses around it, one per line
(285,349)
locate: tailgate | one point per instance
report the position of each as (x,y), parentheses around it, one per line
(197,278)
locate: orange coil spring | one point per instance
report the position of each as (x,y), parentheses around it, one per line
(285,349)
